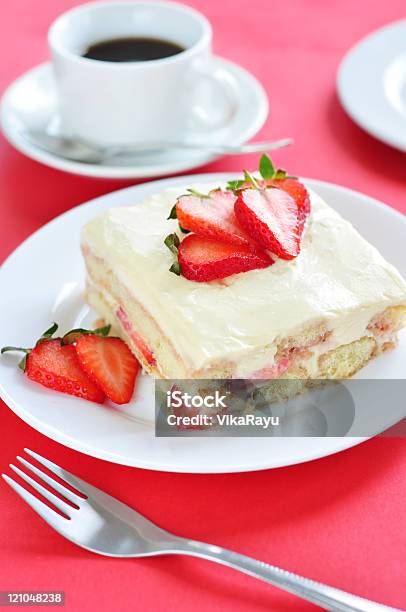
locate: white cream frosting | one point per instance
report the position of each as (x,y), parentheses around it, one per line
(338,278)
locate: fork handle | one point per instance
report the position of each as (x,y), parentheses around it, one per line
(325,596)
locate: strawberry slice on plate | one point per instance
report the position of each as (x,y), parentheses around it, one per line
(212,216)
(110,364)
(271,217)
(204,259)
(57,367)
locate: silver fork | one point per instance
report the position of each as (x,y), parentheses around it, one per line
(98,522)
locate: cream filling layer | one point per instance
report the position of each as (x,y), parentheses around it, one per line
(246,368)
(338,279)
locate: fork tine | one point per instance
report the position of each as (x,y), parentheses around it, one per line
(70,495)
(50,516)
(72,480)
(56,501)
(92,494)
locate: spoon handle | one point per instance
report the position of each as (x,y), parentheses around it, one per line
(239,149)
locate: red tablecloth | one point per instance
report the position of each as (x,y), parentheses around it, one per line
(341,519)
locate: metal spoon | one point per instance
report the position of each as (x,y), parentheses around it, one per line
(81,151)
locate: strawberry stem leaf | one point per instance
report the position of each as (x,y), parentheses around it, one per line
(250,179)
(6,349)
(74,334)
(198,194)
(175,268)
(102,331)
(280,174)
(266,167)
(48,333)
(172,242)
(23,363)
(172,214)
(234,185)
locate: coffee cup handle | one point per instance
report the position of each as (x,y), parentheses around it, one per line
(222,90)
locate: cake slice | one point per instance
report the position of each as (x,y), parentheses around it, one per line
(323,314)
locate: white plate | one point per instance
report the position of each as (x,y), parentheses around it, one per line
(30,102)
(371,84)
(43,281)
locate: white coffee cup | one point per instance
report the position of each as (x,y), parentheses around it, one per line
(120,103)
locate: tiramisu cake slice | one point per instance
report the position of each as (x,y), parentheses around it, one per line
(257,279)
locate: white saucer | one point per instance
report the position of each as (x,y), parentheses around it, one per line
(31,102)
(53,290)
(371,84)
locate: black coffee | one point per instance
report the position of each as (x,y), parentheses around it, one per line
(132,50)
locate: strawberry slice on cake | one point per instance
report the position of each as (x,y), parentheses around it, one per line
(202,259)
(271,216)
(211,216)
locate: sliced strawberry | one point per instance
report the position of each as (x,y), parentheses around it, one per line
(111,364)
(297,190)
(212,216)
(203,259)
(272,218)
(57,367)
(294,188)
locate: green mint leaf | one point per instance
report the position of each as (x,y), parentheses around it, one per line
(175,268)
(250,179)
(172,242)
(266,167)
(172,214)
(183,230)
(235,185)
